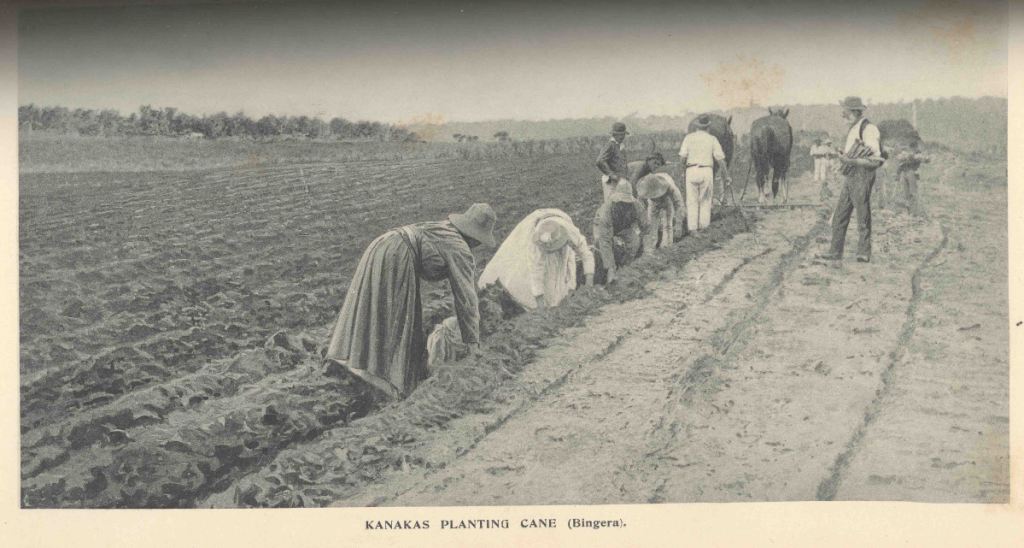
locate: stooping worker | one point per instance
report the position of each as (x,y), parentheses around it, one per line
(612,160)
(621,217)
(536,263)
(861,157)
(639,169)
(700,152)
(445,342)
(379,333)
(665,209)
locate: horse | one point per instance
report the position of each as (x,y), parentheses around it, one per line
(721,128)
(771,142)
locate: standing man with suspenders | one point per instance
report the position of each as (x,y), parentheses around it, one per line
(859,177)
(612,160)
(699,152)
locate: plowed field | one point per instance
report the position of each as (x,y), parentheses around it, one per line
(171,326)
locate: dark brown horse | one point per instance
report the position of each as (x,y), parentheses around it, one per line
(721,128)
(771,141)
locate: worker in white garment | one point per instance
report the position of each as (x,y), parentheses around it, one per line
(665,210)
(820,152)
(537,261)
(700,152)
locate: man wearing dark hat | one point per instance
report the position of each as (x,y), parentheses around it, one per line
(700,152)
(612,160)
(859,178)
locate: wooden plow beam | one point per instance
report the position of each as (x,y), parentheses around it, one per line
(781,206)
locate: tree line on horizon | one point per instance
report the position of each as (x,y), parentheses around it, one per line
(964,123)
(960,122)
(169,121)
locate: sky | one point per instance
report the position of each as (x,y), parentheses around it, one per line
(467,61)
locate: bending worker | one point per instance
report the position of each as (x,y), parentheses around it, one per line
(639,169)
(700,152)
(618,226)
(665,209)
(537,261)
(379,333)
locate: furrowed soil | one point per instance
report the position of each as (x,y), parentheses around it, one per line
(171,344)
(760,374)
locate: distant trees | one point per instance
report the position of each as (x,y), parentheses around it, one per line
(502,137)
(170,121)
(465,138)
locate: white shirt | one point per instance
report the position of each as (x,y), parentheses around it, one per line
(554,273)
(872,138)
(528,272)
(701,148)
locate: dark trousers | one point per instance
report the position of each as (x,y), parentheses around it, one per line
(854,198)
(908,182)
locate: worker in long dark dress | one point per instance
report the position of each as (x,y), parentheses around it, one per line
(379,333)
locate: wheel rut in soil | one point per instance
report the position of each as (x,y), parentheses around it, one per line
(726,344)
(830,485)
(572,429)
(358,469)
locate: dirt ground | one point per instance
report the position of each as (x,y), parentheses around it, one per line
(758,373)
(731,366)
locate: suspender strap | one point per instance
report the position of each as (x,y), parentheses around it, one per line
(409,237)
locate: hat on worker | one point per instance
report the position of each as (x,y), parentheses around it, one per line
(477,222)
(623,192)
(619,127)
(703,122)
(550,235)
(853,103)
(652,187)
(828,141)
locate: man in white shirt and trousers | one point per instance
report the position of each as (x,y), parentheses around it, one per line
(700,152)
(859,178)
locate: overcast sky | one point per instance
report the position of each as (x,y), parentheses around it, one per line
(475,61)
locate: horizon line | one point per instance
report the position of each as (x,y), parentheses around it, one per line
(634,115)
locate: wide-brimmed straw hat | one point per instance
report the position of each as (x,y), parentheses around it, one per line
(619,127)
(623,192)
(703,122)
(477,223)
(853,103)
(652,187)
(550,235)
